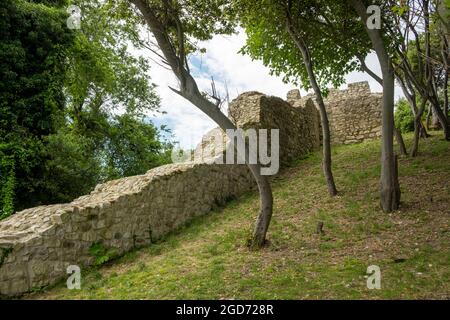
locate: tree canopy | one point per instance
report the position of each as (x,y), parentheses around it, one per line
(74,104)
(333,36)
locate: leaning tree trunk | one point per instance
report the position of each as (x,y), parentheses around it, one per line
(264,188)
(417,129)
(431,81)
(446,106)
(411,97)
(428,119)
(326,136)
(400,141)
(439,114)
(389,186)
(177,60)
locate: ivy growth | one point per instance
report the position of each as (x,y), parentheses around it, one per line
(101,254)
(4,253)
(7,190)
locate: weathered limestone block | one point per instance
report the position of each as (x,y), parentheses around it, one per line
(354,114)
(298,124)
(293,96)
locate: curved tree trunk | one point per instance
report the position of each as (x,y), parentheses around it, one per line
(176,59)
(417,129)
(437,111)
(431,80)
(428,120)
(265,191)
(400,141)
(389,186)
(266,207)
(326,143)
(411,97)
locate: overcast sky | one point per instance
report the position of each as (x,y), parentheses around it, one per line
(224,63)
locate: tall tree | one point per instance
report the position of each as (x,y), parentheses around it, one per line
(108,94)
(33,42)
(420,69)
(301,49)
(175,24)
(73,104)
(390,188)
(295,26)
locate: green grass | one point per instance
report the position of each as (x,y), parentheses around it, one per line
(208,258)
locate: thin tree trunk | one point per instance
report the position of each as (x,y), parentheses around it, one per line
(264,188)
(397,132)
(389,189)
(417,129)
(177,61)
(411,97)
(442,119)
(429,115)
(423,132)
(445,59)
(400,141)
(415,145)
(446,106)
(326,136)
(431,84)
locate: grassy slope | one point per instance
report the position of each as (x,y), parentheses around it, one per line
(208,258)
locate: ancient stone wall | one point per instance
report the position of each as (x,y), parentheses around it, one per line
(354,114)
(120,214)
(38,244)
(298,138)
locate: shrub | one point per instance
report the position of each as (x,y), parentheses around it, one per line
(404,118)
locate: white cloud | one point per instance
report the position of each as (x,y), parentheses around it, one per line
(224,63)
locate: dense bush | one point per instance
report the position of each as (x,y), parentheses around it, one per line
(33,42)
(404,118)
(72,105)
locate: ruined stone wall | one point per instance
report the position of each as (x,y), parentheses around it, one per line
(37,244)
(120,214)
(298,125)
(354,114)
